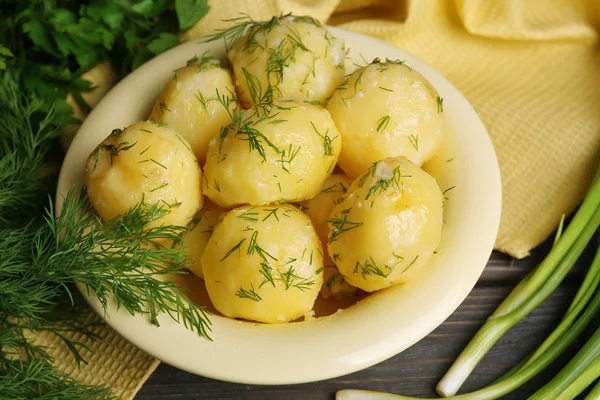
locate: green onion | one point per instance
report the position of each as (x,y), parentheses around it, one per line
(584,368)
(530,293)
(595,393)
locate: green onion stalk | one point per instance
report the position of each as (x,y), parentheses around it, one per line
(527,295)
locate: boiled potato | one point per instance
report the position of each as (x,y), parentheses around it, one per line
(102,77)
(190,105)
(318,210)
(387,226)
(263,264)
(386,109)
(196,238)
(146,162)
(289,58)
(279,153)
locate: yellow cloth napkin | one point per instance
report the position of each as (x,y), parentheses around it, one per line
(531,68)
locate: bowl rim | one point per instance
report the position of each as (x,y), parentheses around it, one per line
(246,352)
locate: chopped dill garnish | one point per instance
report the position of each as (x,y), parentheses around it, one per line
(382,123)
(157,163)
(249,215)
(159,187)
(414,140)
(254,247)
(267,272)
(411,263)
(248,294)
(272,212)
(370,267)
(233,249)
(327,140)
(112,150)
(163,107)
(337,187)
(440,105)
(340,224)
(291,280)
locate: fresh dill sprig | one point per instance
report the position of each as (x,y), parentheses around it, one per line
(27,139)
(112,259)
(36,379)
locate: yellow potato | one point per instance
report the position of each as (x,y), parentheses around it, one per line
(102,77)
(283,154)
(263,264)
(387,226)
(189,103)
(201,229)
(386,109)
(318,210)
(145,161)
(289,58)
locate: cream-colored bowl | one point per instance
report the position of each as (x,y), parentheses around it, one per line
(377,328)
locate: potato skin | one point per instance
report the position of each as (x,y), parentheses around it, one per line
(318,210)
(144,161)
(199,233)
(386,110)
(295,56)
(189,103)
(282,156)
(387,226)
(254,271)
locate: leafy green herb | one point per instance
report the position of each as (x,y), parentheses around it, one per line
(190,11)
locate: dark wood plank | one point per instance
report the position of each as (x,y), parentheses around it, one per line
(413,372)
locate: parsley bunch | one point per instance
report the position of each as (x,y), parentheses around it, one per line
(49,44)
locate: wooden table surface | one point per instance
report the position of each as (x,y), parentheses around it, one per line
(415,371)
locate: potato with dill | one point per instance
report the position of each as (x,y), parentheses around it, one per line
(200,230)
(277,152)
(318,210)
(386,109)
(388,225)
(254,271)
(145,161)
(289,57)
(189,102)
